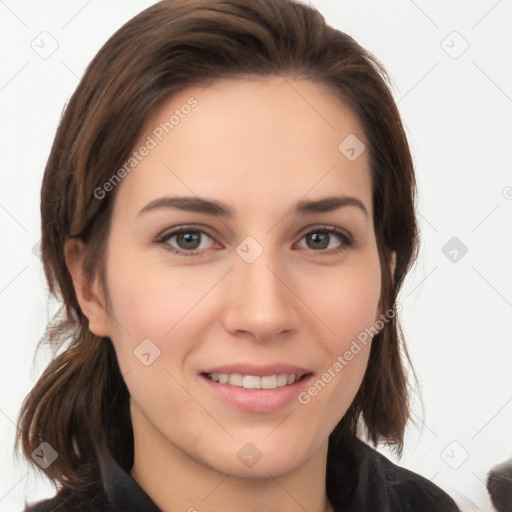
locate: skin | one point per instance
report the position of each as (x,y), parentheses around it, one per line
(259,146)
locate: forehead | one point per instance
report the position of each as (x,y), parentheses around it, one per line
(249,143)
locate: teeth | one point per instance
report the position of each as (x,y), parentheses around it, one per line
(282,379)
(253,381)
(268,382)
(235,379)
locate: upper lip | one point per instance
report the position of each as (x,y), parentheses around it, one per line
(258,370)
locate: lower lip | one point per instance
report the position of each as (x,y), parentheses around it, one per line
(257,400)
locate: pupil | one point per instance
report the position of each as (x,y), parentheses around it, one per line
(190,240)
(320,241)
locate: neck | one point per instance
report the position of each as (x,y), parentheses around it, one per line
(176,481)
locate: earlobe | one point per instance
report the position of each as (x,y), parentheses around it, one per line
(88,292)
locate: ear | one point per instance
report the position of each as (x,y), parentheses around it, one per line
(88,292)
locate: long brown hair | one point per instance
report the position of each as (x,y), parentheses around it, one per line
(79,406)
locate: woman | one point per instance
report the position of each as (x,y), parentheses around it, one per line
(228,214)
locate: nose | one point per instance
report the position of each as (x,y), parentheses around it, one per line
(259,301)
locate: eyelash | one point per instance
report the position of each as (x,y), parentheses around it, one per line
(346,240)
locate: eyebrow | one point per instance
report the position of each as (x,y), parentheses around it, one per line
(189,204)
(329,204)
(217,208)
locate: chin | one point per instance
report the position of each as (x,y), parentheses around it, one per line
(258,459)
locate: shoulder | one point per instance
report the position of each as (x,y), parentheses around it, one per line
(404,489)
(359,478)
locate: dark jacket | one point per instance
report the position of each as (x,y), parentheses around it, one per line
(359,479)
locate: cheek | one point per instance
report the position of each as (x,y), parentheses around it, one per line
(152,300)
(349,310)
(345,300)
(171,307)
(154,304)
(346,307)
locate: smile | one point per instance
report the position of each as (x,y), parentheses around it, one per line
(254,381)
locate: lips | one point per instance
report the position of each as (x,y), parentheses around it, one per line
(253,388)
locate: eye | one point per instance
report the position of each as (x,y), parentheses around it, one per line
(186,241)
(327,239)
(191,241)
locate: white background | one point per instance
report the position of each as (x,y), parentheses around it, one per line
(458,116)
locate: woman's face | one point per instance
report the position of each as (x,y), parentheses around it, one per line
(250,273)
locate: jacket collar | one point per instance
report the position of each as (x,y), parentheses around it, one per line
(123,492)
